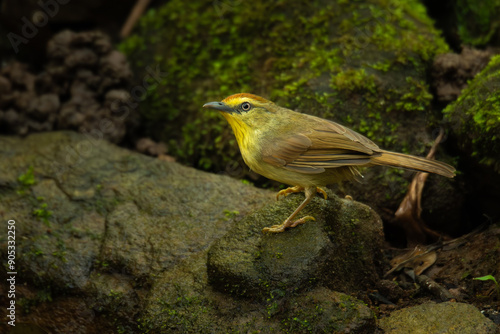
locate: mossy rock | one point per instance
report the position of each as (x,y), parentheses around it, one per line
(360,63)
(182,301)
(477,21)
(341,250)
(98,223)
(475,117)
(446,317)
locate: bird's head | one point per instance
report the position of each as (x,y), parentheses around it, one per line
(245,112)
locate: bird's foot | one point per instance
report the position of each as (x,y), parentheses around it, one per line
(287,224)
(289,190)
(298,189)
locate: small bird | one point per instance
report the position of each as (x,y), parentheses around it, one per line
(304,151)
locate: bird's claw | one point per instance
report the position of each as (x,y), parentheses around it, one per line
(302,221)
(274,229)
(321,191)
(282,227)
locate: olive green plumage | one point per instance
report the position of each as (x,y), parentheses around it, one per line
(306,151)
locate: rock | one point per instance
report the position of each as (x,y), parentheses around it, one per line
(58,46)
(82,57)
(71,91)
(325,311)
(474,117)
(44,107)
(464,23)
(431,318)
(100,219)
(5,85)
(181,301)
(12,118)
(338,250)
(116,95)
(475,122)
(20,76)
(23,100)
(115,65)
(130,235)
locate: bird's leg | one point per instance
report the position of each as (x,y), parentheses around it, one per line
(289,222)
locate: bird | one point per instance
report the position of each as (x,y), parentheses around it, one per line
(304,151)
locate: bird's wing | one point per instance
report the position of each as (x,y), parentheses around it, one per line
(327,145)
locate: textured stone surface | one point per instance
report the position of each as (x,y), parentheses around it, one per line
(340,249)
(182,301)
(101,222)
(438,318)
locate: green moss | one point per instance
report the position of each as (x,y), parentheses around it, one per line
(230,214)
(328,312)
(475,116)
(43,214)
(182,313)
(477,21)
(353,80)
(26,180)
(345,61)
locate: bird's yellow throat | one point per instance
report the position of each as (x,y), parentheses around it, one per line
(240,129)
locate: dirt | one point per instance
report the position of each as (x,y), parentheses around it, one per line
(83,87)
(451,71)
(454,271)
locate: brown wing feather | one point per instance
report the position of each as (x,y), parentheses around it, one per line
(328,132)
(328,145)
(283,152)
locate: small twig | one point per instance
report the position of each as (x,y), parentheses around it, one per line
(430,285)
(136,12)
(433,149)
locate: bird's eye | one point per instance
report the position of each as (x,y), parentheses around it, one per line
(245,106)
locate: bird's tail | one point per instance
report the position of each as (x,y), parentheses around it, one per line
(406,161)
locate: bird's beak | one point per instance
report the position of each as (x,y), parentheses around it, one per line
(221,106)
